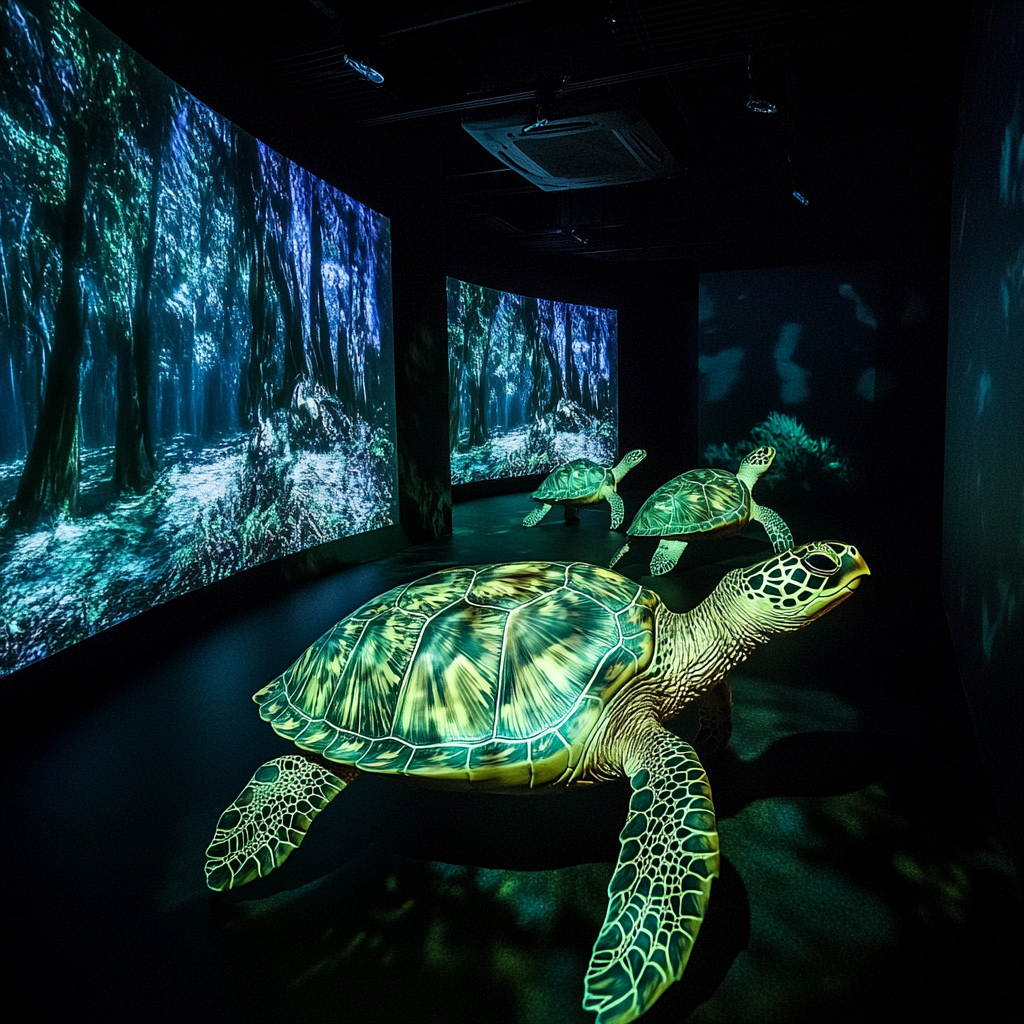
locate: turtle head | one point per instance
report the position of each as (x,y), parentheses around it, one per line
(627,462)
(755,464)
(798,586)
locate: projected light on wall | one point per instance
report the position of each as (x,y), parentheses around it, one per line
(532,383)
(196,367)
(791,357)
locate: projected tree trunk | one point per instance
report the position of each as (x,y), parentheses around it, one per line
(133,443)
(49,482)
(478,412)
(286,283)
(529,322)
(572,376)
(319,327)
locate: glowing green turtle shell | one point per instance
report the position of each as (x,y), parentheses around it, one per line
(488,673)
(699,501)
(581,478)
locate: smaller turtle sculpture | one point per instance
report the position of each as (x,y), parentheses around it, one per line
(706,503)
(583,482)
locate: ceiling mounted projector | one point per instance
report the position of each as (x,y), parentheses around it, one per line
(610,148)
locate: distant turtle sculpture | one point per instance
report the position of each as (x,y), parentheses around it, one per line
(705,503)
(583,482)
(520,677)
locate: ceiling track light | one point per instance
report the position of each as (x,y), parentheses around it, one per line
(361,68)
(539,123)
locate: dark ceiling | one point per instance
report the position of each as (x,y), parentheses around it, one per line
(867,97)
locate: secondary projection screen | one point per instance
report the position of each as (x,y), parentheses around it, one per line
(196,366)
(533,383)
(798,358)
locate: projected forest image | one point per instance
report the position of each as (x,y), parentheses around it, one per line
(532,383)
(196,368)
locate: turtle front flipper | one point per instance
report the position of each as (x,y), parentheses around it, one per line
(775,526)
(537,515)
(268,819)
(661,884)
(714,710)
(618,509)
(666,555)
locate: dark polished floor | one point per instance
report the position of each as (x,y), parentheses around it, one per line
(861,876)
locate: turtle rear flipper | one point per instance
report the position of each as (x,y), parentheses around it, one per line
(537,515)
(268,819)
(661,884)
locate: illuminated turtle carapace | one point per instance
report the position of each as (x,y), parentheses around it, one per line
(583,482)
(705,503)
(524,676)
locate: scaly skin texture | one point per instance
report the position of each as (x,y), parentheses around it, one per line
(669,854)
(269,818)
(693,652)
(660,889)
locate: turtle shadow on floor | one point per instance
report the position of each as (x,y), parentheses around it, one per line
(469,943)
(811,764)
(824,764)
(496,887)
(477,881)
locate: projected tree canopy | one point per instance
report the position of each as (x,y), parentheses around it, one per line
(532,383)
(195,340)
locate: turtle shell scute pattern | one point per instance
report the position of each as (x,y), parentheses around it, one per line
(699,501)
(580,478)
(494,673)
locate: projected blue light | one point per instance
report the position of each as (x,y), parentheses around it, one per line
(803,199)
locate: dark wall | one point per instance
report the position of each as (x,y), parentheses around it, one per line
(983,508)
(658,370)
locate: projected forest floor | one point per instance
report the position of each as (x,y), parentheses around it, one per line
(195,342)
(532,383)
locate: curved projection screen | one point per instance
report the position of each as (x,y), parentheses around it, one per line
(532,383)
(196,367)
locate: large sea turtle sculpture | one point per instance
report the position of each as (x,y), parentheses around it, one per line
(523,676)
(705,503)
(583,482)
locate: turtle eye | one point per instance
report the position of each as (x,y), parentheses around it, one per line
(821,564)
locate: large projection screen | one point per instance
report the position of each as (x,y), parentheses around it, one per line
(196,358)
(533,383)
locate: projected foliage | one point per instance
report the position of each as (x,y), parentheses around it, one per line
(532,383)
(195,341)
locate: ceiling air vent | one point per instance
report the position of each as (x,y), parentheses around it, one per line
(611,148)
